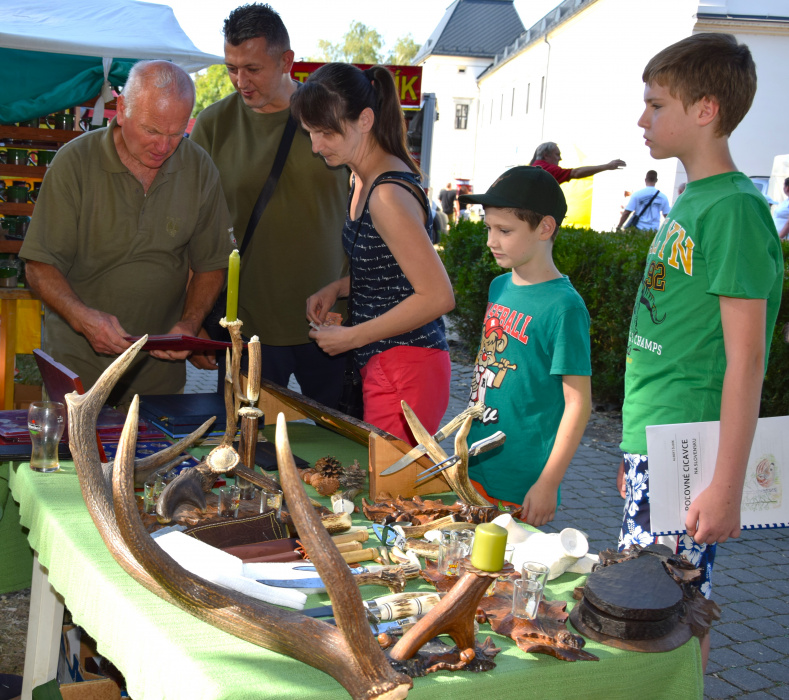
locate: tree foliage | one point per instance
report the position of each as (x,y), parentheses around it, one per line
(360,44)
(404,51)
(211,86)
(363,44)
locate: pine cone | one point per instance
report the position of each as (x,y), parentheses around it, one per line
(329,466)
(353,477)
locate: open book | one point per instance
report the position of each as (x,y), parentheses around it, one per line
(682,461)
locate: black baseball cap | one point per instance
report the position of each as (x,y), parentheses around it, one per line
(524,187)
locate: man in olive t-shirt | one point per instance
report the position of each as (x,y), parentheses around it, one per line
(125,215)
(297,245)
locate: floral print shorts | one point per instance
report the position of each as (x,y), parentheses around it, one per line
(636,525)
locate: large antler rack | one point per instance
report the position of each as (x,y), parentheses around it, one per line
(347,652)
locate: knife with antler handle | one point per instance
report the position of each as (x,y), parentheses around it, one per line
(474,411)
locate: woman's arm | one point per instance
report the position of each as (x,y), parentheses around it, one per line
(400,221)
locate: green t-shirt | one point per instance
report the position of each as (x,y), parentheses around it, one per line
(297,246)
(718,240)
(532,337)
(126,252)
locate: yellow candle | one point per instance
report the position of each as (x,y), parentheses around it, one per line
(233,268)
(489,543)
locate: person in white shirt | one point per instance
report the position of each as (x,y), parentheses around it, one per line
(648,204)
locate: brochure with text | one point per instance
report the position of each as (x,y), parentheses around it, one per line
(682,461)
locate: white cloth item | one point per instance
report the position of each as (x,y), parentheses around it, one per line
(224,569)
(650,219)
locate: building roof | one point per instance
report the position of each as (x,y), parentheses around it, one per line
(475,28)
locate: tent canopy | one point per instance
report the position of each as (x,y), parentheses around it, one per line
(52,51)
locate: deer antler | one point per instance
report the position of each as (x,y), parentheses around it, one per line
(348,653)
(456,476)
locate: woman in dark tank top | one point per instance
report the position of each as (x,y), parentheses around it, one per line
(397,287)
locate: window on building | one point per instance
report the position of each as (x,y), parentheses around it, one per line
(542,91)
(528,94)
(461,116)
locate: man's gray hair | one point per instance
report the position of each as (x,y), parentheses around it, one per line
(172,81)
(543,150)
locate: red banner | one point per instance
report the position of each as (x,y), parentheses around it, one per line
(408,80)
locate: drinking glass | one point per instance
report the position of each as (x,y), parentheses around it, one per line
(229,501)
(271,501)
(526,596)
(45,421)
(453,545)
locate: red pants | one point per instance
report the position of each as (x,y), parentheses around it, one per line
(418,376)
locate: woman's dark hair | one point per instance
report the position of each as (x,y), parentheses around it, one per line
(337,93)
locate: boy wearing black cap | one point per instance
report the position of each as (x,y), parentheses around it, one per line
(533,367)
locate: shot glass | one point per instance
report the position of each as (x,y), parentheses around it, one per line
(526,597)
(149,496)
(534,576)
(229,501)
(246,489)
(453,545)
(271,501)
(45,421)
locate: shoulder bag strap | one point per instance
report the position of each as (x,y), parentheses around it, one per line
(648,204)
(271,181)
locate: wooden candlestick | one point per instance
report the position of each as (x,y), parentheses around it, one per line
(453,616)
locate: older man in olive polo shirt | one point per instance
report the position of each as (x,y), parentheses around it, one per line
(130,235)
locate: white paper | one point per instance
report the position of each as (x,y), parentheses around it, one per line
(682,461)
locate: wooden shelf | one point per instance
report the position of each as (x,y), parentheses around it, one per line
(30,133)
(16,209)
(23,172)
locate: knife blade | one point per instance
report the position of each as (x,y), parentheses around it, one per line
(317,582)
(388,607)
(474,411)
(484,445)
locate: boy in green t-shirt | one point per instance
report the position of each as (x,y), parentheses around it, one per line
(533,367)
(706,307)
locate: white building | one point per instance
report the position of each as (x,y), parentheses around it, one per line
(575,78)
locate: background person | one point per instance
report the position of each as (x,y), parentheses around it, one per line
(398,287)
(781,214)
(446,198)
(547,156)
(295,248)
(124,214)
(648,203)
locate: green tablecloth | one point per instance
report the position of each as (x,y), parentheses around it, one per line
(166,654)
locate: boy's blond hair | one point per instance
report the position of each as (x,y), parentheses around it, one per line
(708,65)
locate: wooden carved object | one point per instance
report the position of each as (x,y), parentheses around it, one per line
(457,475)
(453,616)
(347,652)
(547,634)
(417,515)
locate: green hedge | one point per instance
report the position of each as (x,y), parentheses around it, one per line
(606,270)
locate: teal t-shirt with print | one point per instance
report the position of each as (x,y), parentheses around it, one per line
(533,335)
(718,240)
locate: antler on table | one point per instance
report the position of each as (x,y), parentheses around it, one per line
(348,652)
(456,476)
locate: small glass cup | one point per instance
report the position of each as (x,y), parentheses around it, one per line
(149,496)
(229,501)
(453,545)
(246,489)
(271,501)
(526,597)
(46,421)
